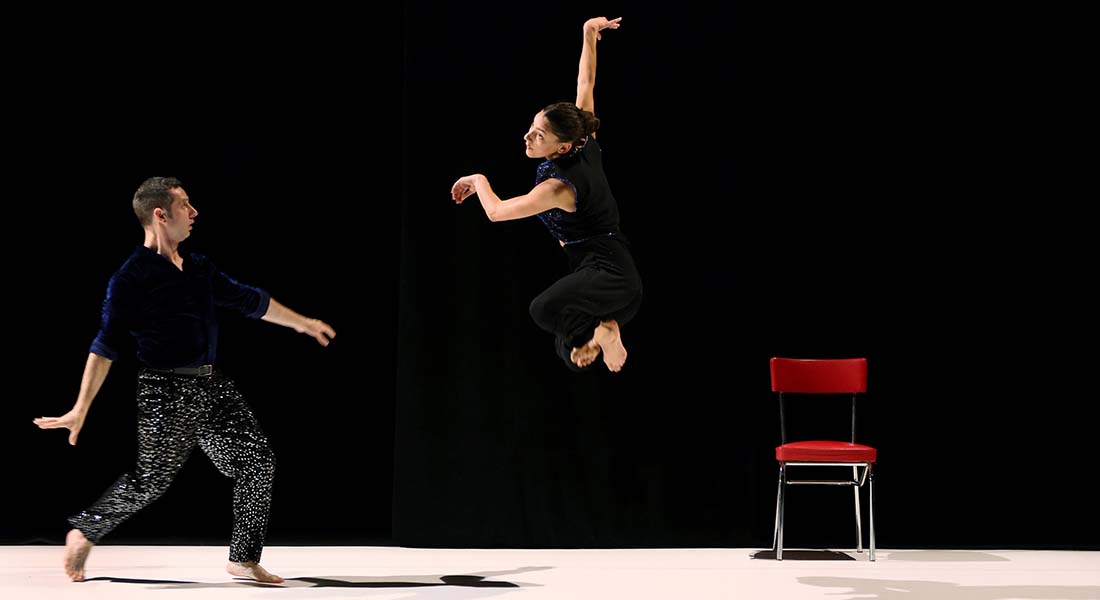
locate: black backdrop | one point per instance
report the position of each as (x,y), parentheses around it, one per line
(800,182)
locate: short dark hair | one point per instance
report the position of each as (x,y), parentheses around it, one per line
(569,122)
(155,192)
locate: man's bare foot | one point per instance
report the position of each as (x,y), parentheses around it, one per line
(586,354)
(610,341)
(77,548)
(251,570)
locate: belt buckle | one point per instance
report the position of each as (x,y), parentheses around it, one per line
(206,370)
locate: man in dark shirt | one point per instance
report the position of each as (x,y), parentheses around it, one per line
(166,302)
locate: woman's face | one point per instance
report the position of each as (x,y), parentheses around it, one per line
(541,142)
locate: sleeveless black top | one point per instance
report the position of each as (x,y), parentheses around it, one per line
(597,214)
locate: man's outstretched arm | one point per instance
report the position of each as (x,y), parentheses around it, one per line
(282,315)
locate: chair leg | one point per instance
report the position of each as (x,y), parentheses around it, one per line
(871,507)
(775,530)
(779,509)
(859,522)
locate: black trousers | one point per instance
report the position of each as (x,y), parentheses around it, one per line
(604,284)
(176,413)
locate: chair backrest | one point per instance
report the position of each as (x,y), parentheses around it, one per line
(819,376)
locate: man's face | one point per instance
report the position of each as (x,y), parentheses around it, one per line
(181,215)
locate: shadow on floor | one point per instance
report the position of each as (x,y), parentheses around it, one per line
(803,555)
(889,589)
(473,580)
(943,556)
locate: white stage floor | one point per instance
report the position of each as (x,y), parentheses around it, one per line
(389,573)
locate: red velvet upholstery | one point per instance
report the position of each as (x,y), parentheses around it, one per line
(826,376)
(822,451)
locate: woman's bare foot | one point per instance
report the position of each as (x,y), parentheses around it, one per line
(610,341)
(77,548)
(586,354)
(252,570)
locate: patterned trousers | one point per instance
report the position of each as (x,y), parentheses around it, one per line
(176,412)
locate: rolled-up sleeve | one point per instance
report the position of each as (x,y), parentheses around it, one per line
(113,325)
(250,301)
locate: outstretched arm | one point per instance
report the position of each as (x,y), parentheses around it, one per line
(95,371)
(316,328)
(586,72)
(551,193)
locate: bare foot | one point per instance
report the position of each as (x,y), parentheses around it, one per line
(610,341)
(586,354)
(251,570)
(77,548)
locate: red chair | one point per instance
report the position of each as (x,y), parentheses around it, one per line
(823,376)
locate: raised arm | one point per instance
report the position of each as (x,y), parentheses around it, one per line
(586,71)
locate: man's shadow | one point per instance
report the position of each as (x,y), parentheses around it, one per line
(472,580)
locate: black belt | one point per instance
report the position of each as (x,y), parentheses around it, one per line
(202,371)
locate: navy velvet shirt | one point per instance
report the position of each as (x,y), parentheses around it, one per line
(169,312)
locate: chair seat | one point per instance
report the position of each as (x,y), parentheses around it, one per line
(825,451)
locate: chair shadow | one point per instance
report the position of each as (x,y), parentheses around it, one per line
(803,555)
(889,589)
(944,556)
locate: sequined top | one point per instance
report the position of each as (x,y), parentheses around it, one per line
(169,312)
(597,213)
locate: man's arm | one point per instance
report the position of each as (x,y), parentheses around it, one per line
(95,371)
(281,315)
